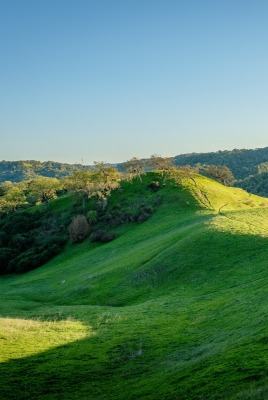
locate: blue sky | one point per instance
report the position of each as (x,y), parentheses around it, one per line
(112,79)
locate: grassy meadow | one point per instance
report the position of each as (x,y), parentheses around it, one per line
(173,308)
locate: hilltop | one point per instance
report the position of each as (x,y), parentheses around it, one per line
(173,308)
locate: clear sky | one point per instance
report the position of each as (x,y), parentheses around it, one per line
(112,79)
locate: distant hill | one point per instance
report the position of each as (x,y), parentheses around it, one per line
(243,163)
(249,167)
(16,171)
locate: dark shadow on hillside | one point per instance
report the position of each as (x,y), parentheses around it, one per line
(72,372)
(59,374)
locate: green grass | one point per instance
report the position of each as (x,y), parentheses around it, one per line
(174,308)
(21,337)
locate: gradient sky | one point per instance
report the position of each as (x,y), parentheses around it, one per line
(84,80)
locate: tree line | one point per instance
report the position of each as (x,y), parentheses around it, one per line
(248,167)
(98,182)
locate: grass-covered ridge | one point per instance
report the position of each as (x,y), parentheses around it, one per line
(173,308)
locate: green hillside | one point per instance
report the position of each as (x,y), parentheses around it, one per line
(173,308)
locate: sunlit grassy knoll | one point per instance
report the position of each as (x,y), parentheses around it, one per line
(173,308)
(217,197)
(22,337)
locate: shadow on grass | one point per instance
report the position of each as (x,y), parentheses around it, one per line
(58,373)
(87,370)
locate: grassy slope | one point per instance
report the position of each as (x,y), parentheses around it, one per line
(174,308)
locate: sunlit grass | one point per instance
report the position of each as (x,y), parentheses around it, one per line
(216,197)
(24,337)
(246,222)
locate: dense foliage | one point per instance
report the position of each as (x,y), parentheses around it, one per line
(257,184)
(29,238)
(242,162)
(16,171)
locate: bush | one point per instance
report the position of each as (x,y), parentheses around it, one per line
(116,221)
(20,241)
(154,186)
(28,240)
(3,239)
(21,223)
(37,255)
(92,216)
(102,236)
(148,209)
(27,261)
(142,217)
(79,229)
(158,201)
(6,255)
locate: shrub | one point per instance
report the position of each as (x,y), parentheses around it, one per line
(20,241)
(102,236)
(23,262)
(3,239)
(6,255)
(142,217)
(21,222)
(92,216)
(79,229)
(158,201)
(37,255)
(154,186)
(148,209)
(116,221)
